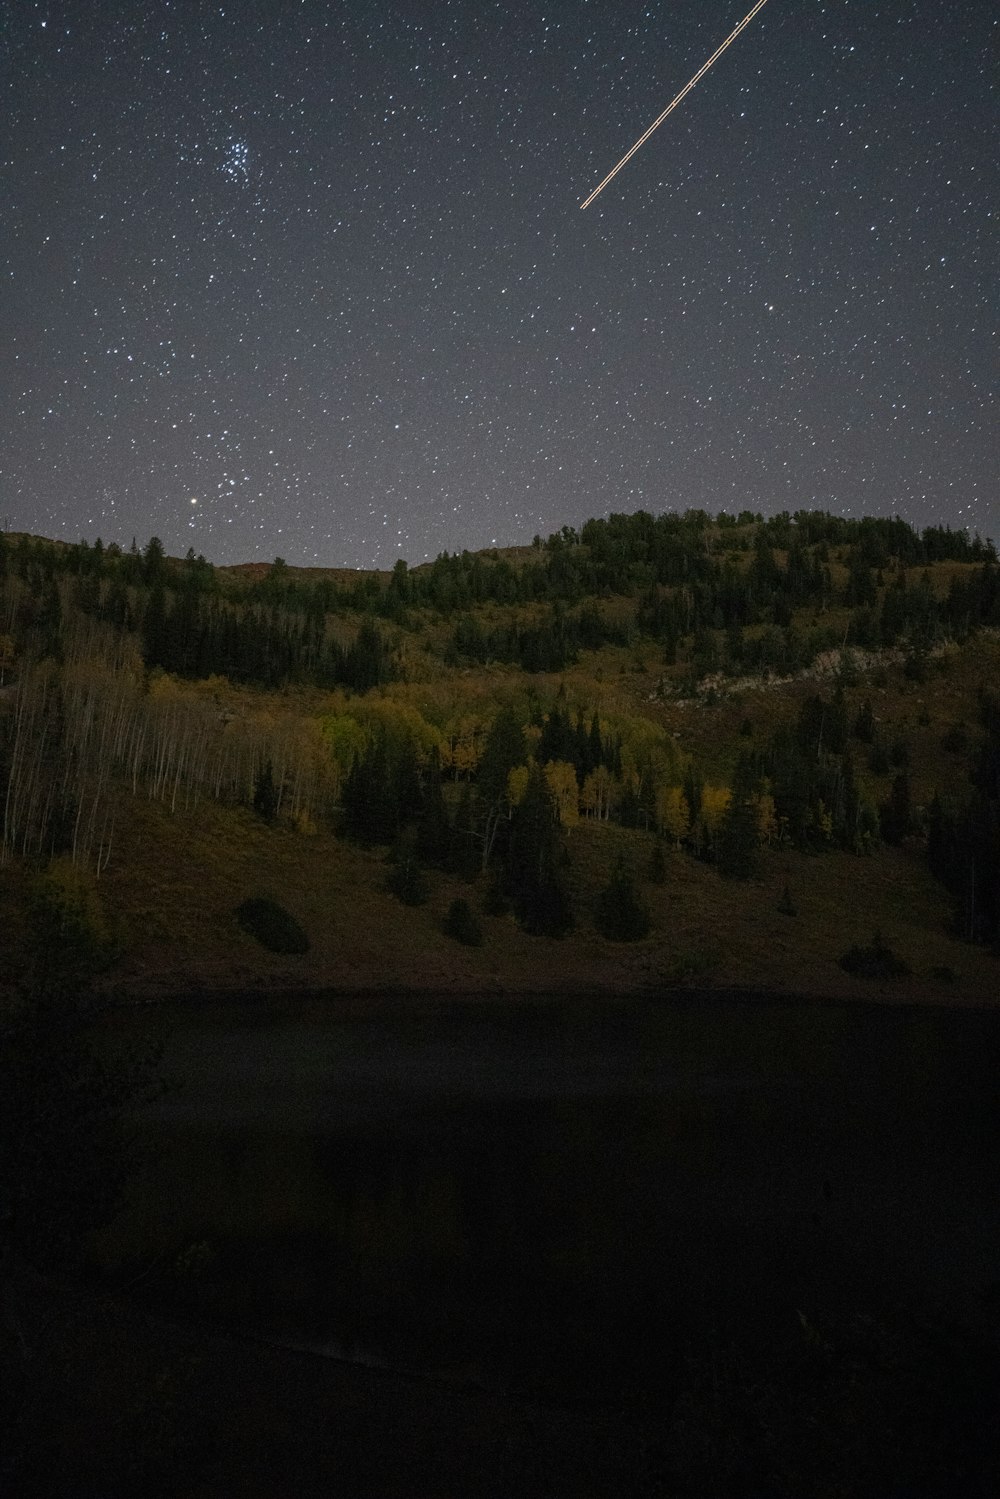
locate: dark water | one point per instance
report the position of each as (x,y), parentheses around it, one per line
(565,1199)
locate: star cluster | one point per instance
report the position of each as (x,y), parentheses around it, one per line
(312,279)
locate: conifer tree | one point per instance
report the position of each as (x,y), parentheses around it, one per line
(433,828)
(621,915)
(738,838)
(534,876)
(265,793)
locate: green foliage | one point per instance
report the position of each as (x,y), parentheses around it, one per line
(272,926)
(371,796)
(407,881)
(433,832)
(786,905)
(495,901)
(878,759)
(464,857)
(462,925)
(690,963)
(621,915)
(504,750)
(265,793)
(69,940)
(876,961)
(895,815)
(657,870)
(738,841)
(533,874)
(963,836)
(742,594)
(956,740)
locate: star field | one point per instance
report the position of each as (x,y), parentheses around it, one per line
(312,279)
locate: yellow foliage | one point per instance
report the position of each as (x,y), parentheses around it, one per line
(600,793)
(767,818)
(647,749)
(69,895)
(560,777)
(403,721)
(7,655)
(672,812)
(714,801)
(517,785)
(462,746)
(344,737)
(824,821)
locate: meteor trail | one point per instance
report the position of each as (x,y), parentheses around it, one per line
(674,102)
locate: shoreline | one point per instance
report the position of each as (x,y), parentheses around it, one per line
(368,1001)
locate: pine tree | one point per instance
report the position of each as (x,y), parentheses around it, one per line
(895,816)
(462,925)
(464,857)
(738,840)
(433,827)
(621,915)
(534,874)
(265,793)
(371,810)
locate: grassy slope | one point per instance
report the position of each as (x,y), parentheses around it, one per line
(175,879)
(179,878)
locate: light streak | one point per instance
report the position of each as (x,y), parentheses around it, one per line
(674,102)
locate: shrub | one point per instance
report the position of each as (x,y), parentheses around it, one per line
(462,925)
(786,905)
(956,740)
(272,926)
(69,941)
(876,961)
(621,915)
(495,902)
(407,882)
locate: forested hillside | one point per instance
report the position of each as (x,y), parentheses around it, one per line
(621,746)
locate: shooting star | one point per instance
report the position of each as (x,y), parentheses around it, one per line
(674,102)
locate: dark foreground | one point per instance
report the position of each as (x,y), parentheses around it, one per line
(701,1248)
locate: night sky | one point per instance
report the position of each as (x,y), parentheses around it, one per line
(312,279)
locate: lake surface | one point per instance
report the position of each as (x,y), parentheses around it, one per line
(565,1198)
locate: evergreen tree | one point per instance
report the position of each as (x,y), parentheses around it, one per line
(621,915)
(864,724)
(265,793)
(433,828)
(533,875)
(464,856)
(371,810)
(406,881)
(462,925)
(505,748)
(895,817)
(738,839)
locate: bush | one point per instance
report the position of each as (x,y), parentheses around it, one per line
(786,905)
(956,740)
(876,961)
(462,925)
(495,902)
(621,915)
(407,882)
(273,927)
(69,941)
